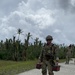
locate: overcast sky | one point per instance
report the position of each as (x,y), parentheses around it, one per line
(40,18)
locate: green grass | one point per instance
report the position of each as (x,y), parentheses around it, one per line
(62,60)
(12,68)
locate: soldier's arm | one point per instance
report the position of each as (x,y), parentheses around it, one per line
(41,53)
(41,56)
(56,52)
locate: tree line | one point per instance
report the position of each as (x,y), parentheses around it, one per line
(12,49)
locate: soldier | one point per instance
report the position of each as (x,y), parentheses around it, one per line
(68,54)
(47,56)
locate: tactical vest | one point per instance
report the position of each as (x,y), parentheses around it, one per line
(48,52)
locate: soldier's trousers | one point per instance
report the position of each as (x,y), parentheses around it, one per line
(67,59)
(47,66)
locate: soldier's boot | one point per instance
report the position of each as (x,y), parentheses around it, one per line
(66,62)
(44,74)
(51,73)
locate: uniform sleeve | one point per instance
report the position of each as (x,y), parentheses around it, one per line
(41,56)
(56,52)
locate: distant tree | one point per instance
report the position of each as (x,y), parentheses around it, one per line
(19,32)
(36,41)
(26,45)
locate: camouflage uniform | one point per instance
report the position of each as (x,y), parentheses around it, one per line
(68,54)
(47,57)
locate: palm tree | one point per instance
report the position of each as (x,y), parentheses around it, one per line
(26,45)
(19,31)
(28,36)
(16,44)
(36,41)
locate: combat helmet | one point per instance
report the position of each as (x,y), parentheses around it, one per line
(49,37)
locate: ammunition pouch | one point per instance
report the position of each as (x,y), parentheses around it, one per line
(49,56)
(52,63)
(41,59)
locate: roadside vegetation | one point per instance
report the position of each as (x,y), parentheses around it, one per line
(13,68)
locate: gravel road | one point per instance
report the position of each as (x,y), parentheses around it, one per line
(65,69)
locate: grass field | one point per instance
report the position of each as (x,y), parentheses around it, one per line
(12,67)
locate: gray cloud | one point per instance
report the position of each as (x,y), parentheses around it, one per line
(40,18)
(7,6)
(64,4)
(67,5)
